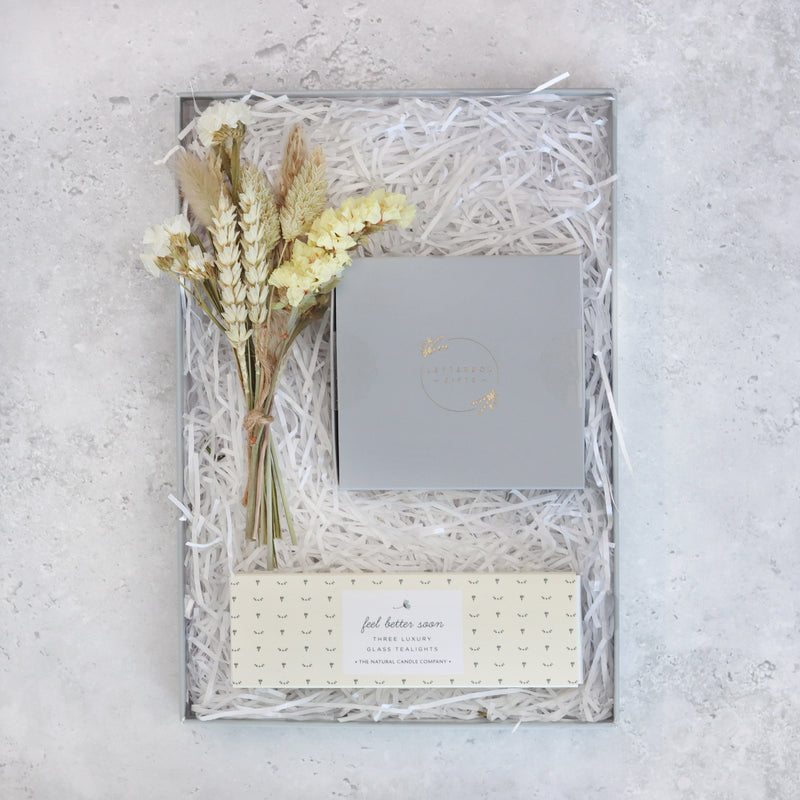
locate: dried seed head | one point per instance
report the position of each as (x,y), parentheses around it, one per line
(260,229)
(294,156)
(306,198)
(232,291)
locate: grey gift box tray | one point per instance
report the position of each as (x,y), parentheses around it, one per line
(187,105)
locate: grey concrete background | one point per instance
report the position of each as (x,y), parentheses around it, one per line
(708,390)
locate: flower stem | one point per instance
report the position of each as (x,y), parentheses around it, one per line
(276,471)
(269,500)
(197,298)
(253,493)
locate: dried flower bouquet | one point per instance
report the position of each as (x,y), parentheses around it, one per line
(262,262)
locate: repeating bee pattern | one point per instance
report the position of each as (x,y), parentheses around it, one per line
(519,629)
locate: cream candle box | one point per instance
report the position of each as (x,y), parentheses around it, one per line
(406,630)
(460,373)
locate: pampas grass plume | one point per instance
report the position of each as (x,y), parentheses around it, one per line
(201,182)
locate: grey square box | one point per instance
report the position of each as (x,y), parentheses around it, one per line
(460,373)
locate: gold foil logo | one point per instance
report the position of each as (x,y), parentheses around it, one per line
(486,403)
(431,346)
(459,374)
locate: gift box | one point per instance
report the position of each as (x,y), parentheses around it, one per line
(511,174)
(460,373)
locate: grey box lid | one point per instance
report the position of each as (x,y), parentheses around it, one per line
(460,373)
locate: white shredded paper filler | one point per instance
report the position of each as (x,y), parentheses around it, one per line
(514,174)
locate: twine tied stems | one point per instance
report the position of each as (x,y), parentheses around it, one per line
(253,420)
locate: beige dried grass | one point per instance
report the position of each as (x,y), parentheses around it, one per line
(201,181)
(295,154)
(306,198)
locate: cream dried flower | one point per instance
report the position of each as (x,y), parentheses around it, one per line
(314,265)
(168,243)
(345,226)
(151,263)
(178,226)
(158,240)
(220,120)
(309,270)
(199,264)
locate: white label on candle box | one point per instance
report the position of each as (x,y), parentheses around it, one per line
(395,632)
(413,630)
